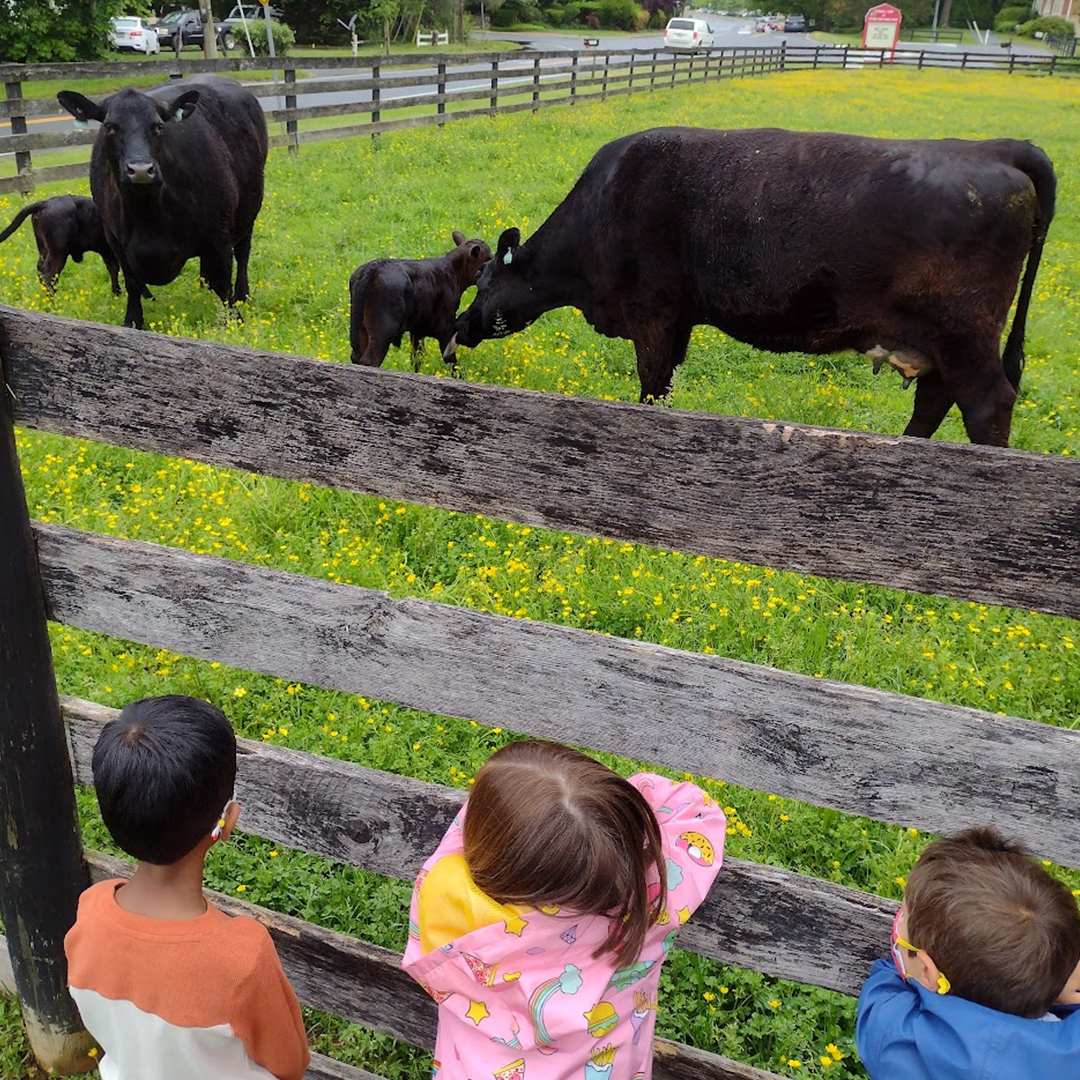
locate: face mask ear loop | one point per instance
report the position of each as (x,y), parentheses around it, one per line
(219,828)
(943,984)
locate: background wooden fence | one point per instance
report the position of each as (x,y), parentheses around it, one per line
(996,525)
(439,88)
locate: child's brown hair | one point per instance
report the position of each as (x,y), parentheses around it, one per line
(547,825)
(1004,931)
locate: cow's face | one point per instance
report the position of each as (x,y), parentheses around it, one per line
(469,258)
(504,301)
(133,125)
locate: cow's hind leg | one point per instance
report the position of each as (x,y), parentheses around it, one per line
(417,342)
(660,349)
(985,398)
(216,269)
(932,403)
(241,290)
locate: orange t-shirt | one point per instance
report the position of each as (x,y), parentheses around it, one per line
(182,999)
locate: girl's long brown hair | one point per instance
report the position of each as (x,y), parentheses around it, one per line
(548,826)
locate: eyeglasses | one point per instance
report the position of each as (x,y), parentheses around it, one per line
(898,947)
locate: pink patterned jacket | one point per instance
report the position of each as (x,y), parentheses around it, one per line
(520,996)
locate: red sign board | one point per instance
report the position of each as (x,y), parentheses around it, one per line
(881,27)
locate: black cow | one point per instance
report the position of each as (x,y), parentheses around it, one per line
(177,174)
(390,297)
(791,241)
(65,225)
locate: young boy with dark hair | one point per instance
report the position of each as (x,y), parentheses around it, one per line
(171,987)
(985,974)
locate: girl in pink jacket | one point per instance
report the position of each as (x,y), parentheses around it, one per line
(540,922)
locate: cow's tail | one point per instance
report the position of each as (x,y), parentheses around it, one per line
(1031,160)
(21,216)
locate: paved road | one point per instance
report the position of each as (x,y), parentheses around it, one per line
(728,32)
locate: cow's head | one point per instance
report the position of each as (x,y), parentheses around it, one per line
(133,125)
(469,258)
(505,300)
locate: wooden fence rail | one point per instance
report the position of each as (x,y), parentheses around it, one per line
(507,82)
(983,522)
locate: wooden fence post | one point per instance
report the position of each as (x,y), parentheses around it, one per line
(652,73)
(630,82)
(375,97)
(23,162)
(603,86)
(493,106)
(291,125)
(536,85)
(440,106)
(573,79)
(41,864)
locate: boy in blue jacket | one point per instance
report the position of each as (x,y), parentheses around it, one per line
(984,980)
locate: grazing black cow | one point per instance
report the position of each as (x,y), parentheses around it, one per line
(177,174)
(796,241)
(421,296)
(65,225)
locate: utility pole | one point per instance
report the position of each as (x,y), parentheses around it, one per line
(206,14)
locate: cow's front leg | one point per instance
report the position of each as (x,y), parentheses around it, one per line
(660,349)
(134,314)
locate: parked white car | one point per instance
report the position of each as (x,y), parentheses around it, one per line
(129,32)
(688,34)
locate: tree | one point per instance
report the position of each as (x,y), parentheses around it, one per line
(666,7)
(48,31)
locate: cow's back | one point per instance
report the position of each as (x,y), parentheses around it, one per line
(754,226)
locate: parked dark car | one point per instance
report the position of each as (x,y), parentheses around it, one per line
(794,24)
(184,27)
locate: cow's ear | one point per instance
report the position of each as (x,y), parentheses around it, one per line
(180,108)
(81,107)
(508,245)
(459,237)
(476,253)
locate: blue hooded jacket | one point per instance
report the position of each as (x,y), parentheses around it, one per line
(905,1032)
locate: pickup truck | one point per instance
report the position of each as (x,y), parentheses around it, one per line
(234,23)
(184,27)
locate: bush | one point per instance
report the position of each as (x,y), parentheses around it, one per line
(554,16)
(1047,25)
(1008,18)
(284,38)
(571,13)
(617,14)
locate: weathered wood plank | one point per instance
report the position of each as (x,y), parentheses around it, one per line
(365,984)
(816,740)
(760,917)
(1001,526)
(7,975)
(325,1068)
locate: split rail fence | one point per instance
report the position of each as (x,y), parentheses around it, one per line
(388,93)
(980,523)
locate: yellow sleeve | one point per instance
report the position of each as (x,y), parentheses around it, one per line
(450,905)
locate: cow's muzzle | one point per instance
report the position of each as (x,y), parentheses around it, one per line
(141,172)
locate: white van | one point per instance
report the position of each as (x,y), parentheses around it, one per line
(688,34)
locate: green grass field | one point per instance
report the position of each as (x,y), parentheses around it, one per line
(334,206)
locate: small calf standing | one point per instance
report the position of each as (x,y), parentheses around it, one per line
(65,225)
(421,296)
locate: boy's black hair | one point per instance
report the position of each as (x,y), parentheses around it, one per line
(163,771)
